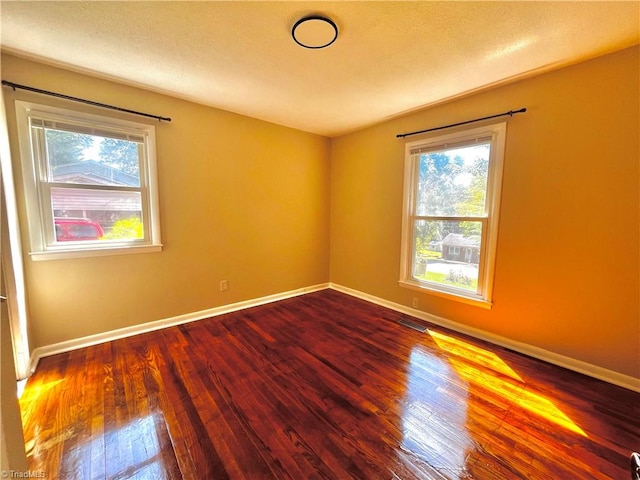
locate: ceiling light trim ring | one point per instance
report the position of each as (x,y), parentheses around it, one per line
(320,18)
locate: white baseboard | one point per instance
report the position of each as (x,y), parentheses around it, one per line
(87,341)
(610,376)
(579,366)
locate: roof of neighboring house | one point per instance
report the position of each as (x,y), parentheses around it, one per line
(93,172)
(458,240)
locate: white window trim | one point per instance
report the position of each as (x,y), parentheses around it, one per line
(487,253)
(39,247)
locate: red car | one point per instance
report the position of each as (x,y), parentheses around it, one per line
(75,229)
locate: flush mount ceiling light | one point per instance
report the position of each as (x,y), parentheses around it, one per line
(314,32)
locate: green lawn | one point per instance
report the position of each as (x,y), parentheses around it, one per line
(442,279)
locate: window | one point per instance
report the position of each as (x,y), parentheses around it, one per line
(90,183)
(450,215)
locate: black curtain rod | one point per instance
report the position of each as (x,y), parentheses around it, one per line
(511,113)
(82,100)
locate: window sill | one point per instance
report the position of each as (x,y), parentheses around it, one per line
(475,301)
(94,252)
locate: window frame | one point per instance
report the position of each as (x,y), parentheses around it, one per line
(37,185)
(496,135)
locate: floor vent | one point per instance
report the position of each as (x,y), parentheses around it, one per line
(415,326)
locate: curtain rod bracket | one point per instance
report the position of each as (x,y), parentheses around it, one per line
(82,100)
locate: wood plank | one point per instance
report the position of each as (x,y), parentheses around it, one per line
(320,386)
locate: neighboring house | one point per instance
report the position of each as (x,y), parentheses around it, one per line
(103,206)
(459,248)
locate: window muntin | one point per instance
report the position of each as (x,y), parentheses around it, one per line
(92,187)
(452,194)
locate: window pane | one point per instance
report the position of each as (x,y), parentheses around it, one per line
(447,253)
(85,215)
(91,159)
(453,182)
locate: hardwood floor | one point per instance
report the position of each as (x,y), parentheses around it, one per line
(320,386)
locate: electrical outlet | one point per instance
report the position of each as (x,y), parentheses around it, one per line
(414,302)
(224,285)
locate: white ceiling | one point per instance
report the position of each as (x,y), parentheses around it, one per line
(389,58)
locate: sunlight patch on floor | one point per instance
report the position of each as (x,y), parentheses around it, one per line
(479,355)
(473,364)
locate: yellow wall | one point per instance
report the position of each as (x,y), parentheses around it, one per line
(240,199)
(567,272)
